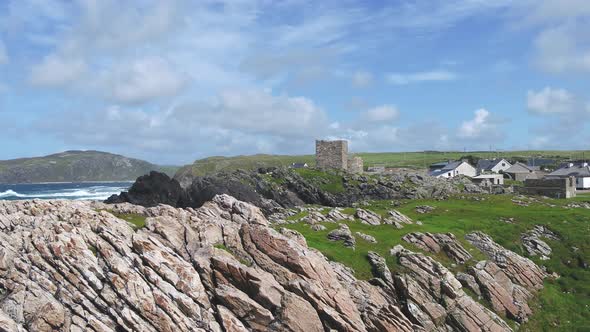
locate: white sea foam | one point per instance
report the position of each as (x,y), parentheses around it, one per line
(94,193)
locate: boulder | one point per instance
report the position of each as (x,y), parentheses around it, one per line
(366,237)
(534,245)
(342,233)
(368,217)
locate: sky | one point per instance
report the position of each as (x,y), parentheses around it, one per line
(174,81)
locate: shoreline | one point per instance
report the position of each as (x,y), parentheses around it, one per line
(66,182)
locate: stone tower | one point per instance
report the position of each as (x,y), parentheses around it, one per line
(331,154)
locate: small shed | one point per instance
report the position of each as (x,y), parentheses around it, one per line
(299,165)
(489,179)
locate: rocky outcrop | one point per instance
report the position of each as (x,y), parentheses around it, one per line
(397,219)
(434,298)
(271,188)
(66,267)
(152,189)
(422,209)
(74,266)
(534,245)
(342,233)
(508,281)
(435,243)
(366,237)
(368,217)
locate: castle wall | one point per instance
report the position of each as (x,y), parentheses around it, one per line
(331,154)
(355,164)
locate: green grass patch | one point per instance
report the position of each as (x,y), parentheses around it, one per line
(562,305)
(326,181)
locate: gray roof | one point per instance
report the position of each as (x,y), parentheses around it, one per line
(488,164)
(451,166)
(576,170)
(519,168)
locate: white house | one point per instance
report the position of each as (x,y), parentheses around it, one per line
(455,168)
(489,179)
(581,171)
(492,165)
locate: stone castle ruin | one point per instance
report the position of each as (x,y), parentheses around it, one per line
(334,155)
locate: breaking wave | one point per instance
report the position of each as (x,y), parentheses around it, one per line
(90,193)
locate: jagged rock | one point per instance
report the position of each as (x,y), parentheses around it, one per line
(397,217)
(521,271)
(468,281)
(533,244)
(380,269)
(221,267)
(336,216)
(318,227)
(366,237)
(342,233)
(509,280)
(422,209)
(368,217)
(396,249)
(314,217)
(434,298)
(434,243)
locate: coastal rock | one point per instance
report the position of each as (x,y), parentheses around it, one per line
(422,209)
(435,243)
(366,237)
(368,217)
(534,245)
(342,233)
(397,218)
(434,298)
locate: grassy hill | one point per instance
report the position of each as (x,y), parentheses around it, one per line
(389,159)
(563,305)
(75,166)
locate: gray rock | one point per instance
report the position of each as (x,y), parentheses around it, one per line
(342,233)
(368,217)
(366,237)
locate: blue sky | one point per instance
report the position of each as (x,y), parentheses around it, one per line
(172,81)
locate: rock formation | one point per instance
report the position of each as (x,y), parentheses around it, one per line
(271,188)
(74,266)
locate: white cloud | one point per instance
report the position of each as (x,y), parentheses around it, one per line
(564,48)
(383,113)
(426,76)
(3,55)
(362,78)
(477,127)
(550,101)
(143,80)
(55,70)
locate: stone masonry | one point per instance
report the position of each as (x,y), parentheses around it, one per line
(334,155)
(331,154)
(556,188)
(355,164)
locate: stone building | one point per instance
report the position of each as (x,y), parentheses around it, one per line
(355,164)
(334,155)
(556,188)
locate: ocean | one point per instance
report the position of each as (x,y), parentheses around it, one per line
(73,191)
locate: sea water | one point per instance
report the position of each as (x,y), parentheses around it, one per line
(73,191)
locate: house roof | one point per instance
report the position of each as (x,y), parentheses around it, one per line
(489,164)
(576,170)
(296,165)
(452,165)
(519,168)
(540,162)
(488,176)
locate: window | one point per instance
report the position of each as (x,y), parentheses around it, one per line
(449,173)
(503,164)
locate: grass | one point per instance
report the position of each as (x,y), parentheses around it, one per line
(564,304)
(136,221)
(415,160)
(326,181)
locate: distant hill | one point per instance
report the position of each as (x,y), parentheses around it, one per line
(413,160)
(76,166)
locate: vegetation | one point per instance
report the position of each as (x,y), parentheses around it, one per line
(136,221)
(75,166)
(413,160)
(326,181)
(564,304)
